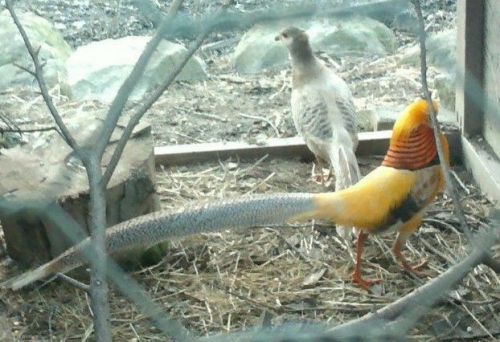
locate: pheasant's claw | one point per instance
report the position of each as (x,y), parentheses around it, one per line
(321,178)
(364,283)
(422,264)
(416,270)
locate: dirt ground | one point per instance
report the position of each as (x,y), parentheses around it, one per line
(214,283)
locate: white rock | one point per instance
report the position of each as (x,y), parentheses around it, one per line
(54,51)
(441,51)
(441,54)
(257,49)
(97,70)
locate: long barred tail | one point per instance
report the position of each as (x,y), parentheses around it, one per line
(347,173)
(240,213)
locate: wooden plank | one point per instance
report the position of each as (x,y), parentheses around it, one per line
(485,168)
(491,125)
(370,143)
(470,64)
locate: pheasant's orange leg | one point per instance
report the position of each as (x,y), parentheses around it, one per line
(404,263)
(356,276)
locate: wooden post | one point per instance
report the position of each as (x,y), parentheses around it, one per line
(470,65)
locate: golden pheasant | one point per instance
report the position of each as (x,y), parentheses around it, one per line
(323,111)
(394,196)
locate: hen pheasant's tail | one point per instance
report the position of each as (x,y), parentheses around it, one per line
(159,226)
(347,173)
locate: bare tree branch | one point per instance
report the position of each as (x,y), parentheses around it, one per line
(73,282)
(188,27)
(38,73)
(116,108)
(435,124)
(139,113)
(91,158)
(458,210)
(98,283)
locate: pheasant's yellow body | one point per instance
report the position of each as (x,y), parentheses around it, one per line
(367,204)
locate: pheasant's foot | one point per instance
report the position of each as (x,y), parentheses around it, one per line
(319,175)
(364,283)
(416,269)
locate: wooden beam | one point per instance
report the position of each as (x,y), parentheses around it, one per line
(491,124)
(370,143)
(480,160)
(470,65)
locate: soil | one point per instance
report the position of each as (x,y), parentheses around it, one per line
(214,283)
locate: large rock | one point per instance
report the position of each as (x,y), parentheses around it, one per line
(97,70)
(441,54)
(445,86)
(257,50)
(54,51)
(441,51)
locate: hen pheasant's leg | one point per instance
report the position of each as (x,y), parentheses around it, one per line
(403,235)
(318,176)
(356,276)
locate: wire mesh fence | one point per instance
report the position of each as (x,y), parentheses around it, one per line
(220,286)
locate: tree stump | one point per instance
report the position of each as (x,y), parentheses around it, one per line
(39,178)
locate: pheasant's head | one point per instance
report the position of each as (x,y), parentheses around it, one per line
(297,42)
(412,143)
(293,36)
(416,116)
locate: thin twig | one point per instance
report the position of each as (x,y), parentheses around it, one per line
(236,20)
(266,120)
(38,74)
(458,210)
(475,337)
(73,282)
(29,130)
(92,161)
(121,98)
(435,124)
(139,113)
(459,181)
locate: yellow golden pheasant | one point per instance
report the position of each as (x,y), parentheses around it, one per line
(393,197)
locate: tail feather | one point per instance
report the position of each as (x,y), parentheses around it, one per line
(147,230)
(24,279)
(347,173)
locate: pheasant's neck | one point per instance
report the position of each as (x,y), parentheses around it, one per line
(416,152)
(301,54)
(305,65)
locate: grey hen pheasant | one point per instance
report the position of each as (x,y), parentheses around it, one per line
(323,111)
